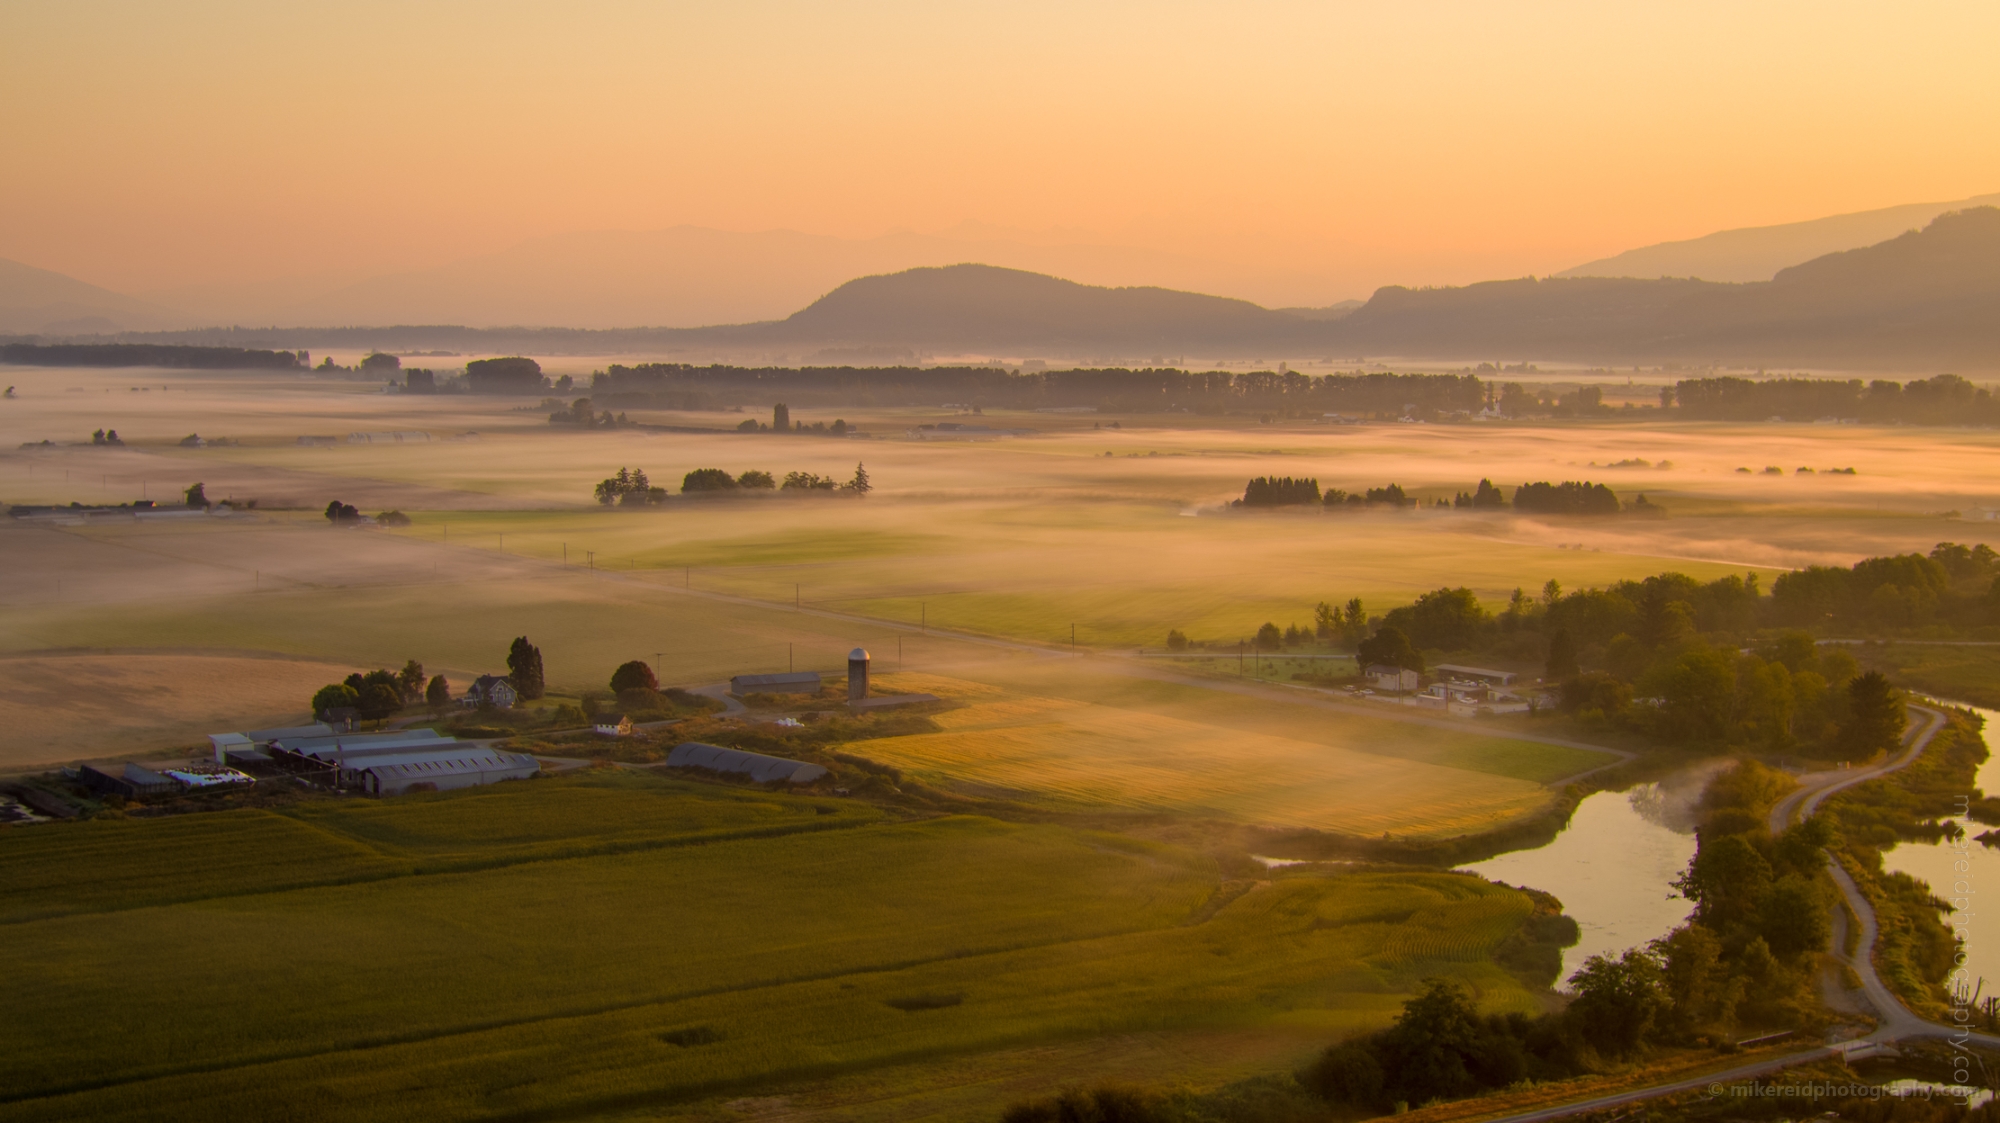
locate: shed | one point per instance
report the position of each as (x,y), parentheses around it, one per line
(760,768)
(226,743)
(444,771)
(804,682)
(131,781)
(1476,674)
(1398,679)
(612,725)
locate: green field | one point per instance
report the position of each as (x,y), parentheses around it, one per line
(503,952)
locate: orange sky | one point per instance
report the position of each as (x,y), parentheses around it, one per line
(1342,145)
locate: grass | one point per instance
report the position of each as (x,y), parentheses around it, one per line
(659,975)
(1960,674)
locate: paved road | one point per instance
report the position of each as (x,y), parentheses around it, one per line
(1895,1021)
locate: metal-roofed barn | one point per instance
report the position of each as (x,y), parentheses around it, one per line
(758,767)
(442,771)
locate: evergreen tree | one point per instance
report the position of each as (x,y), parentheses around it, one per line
(410,680)
(859,484)
(1875,718)
(1562,656)
(781,418)
(438,694)
(524,668)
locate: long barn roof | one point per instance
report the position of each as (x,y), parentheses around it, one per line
(763,769)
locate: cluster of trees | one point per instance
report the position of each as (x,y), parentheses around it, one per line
(1747,957)
(628,489)
(582,414)
(105,437)
(524,669)
(1485,498)
(375,695)
(1566,498)
(1148,390)
(1952,583)
(513,375)
(715,479)
(1515,400)
(781,422)
(1273,491)
(1945,399)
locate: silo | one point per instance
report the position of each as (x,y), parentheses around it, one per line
(857,675)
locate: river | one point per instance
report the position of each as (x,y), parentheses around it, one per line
(1613,865)
(1937,863)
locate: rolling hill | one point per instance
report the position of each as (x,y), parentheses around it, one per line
(38,300)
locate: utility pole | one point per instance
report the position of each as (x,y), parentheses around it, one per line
(565,553)
(923,617)
(1072,639)
(687,577)
(592,555)
(503,543)
(1239,658)
(795,597)
(789,668)
(899,653)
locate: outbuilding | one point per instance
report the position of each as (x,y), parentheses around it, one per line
(1475,674)
(758,767)
(1400,680)
(442,771)
(612,725)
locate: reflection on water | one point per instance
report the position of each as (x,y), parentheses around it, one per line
(1939,864)
(1613,865)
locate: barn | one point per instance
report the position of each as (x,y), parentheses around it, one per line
(467,767)
(758,767)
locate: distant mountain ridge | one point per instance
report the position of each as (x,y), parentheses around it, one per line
(37,300)
(1757,253)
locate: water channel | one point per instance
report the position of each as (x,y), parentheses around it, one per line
(1614,863)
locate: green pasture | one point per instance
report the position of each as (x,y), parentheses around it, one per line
(711,941)
(1960,673)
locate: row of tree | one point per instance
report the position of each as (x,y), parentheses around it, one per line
(1945,399)
(374,695)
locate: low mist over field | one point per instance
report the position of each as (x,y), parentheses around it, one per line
(1024,564)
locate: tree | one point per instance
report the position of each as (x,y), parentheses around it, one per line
(1488,497)
(1875,717)
(1347,1074)
(338,512)
(336,696)
(755,478)
(1389,647)
(1448,618)
(410,680)
(1562,656)
(197,496)
(1269,638)
(807,481)
(1176,640)
(708,479)
(1794,917)
(438,694)
(859,485)
(1426,1049)
(633,676)
(524,668)
(378,701)
(781,418)
(1326,620)
(1698,692)
(1617,1001)
(1273,491)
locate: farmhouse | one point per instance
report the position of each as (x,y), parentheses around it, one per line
(612,725)
(1397,679)
(804,682)
(490,692)
(760,768)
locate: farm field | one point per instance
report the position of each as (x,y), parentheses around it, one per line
(1088,736)
(649,976)
(1961,673)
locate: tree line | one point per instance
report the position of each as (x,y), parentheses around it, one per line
(1142,390)
(1567,498)
(629,488)
(1945,399)
(379,694)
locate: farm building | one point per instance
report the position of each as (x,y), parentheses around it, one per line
(612,725)
(468,767)
(804,682)
(129,780)
(1485,675)
(342,747)
(490,691)
(1398,679)
(760,768)
(254,743)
